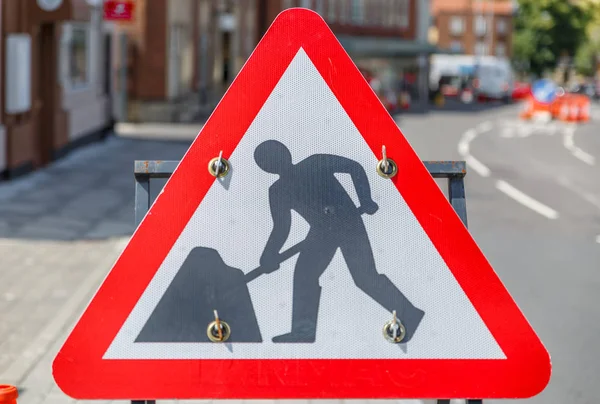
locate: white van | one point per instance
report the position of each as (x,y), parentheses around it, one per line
(492,77)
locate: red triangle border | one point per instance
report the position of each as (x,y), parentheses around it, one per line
(81,373)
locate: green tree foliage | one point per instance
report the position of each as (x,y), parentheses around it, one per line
(545,30)
(585,58)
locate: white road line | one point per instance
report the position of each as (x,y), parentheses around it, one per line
(484,127)
(568,140)
(507,132)
(478,166)
(526,200)
(598,239)
(587,196)
(569,144)
(583,156)
(463,150)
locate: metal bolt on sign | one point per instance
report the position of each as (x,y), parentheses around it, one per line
(386,167)
(218,330)
(393,330)
(218,166)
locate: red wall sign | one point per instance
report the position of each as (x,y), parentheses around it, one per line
(118,10)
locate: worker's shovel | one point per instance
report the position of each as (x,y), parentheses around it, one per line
(284,256)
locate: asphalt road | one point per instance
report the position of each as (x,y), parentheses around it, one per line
(533,201)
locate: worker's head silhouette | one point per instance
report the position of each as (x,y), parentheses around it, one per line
(273,157)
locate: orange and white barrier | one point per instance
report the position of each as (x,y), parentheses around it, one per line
(566,108)
(534,109)
(584,109)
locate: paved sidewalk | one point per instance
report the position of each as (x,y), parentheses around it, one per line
(61,229)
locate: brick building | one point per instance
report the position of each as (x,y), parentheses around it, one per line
(54,82)
(474,27)
(386,38)
(185,53)
(182,54)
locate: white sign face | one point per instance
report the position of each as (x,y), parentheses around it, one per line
(49,5)
(346,278)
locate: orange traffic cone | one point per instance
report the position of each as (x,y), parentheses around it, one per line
(584,109)
(573,111)
(563,110)
(8,394)
(527,109)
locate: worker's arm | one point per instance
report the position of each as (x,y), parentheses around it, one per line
(359,179)
(282,220)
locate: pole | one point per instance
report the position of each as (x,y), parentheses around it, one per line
(491,28)
(478,13)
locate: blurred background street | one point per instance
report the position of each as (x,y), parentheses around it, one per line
(88,87)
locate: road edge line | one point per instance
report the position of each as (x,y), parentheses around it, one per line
(526,200)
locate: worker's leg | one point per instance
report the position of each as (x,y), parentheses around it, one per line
(359,259)
(316,255)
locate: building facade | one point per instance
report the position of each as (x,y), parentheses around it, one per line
(387,39)
(474,27)
(183,54)
(54,82)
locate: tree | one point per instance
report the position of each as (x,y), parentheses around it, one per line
(545,30)
(585,58)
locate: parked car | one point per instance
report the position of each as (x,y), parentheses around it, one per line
(521,90)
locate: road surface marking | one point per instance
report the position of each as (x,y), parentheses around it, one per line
(478,166)
(484,126)
(521,129)
(585,157)
(569,144)
(526,200)
(598,239)
(507,132)
(588,197)
(463,149)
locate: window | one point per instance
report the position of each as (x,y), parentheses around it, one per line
(389,13)
(480,25)
(319,6)
(77,48)
(286,4)
(403,13)
(456,46)
(501,26)
(344,12)
(357,11)
(480,49)
(306,4)
(500,49)
(375,15)
(332,9)
(456,25)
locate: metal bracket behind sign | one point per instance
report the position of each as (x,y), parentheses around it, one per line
(146,190)
(160,170)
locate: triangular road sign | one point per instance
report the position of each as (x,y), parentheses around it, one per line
(302,132)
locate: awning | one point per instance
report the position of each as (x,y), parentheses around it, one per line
(384,47)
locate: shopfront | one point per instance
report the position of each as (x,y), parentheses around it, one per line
(396,69)
(52,86)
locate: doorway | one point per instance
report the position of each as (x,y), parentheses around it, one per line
(46,91)
(108,75)
(226,73)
